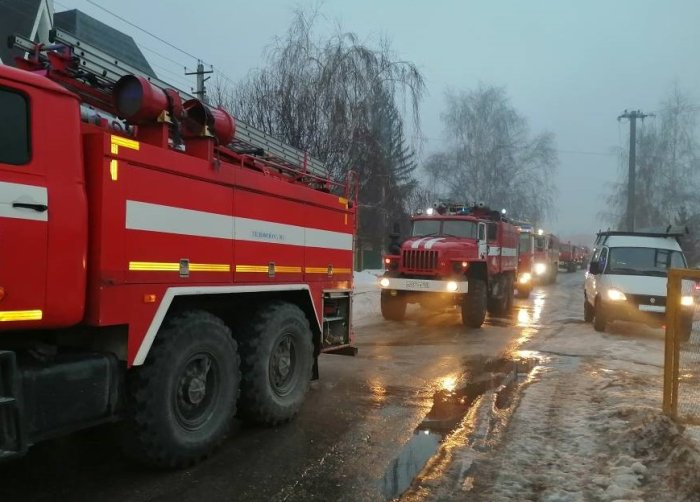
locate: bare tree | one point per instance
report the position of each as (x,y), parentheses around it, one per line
(341,101)
(492,157)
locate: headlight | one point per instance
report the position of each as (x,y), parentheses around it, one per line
(540,268)
(687,301)
(525,277)
(451,286)
(616,295)
(384,282)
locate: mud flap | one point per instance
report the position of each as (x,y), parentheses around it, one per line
(13,436)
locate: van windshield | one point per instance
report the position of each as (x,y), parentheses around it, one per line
(643,261)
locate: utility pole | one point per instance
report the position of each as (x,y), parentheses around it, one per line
(631,177)
(201,91)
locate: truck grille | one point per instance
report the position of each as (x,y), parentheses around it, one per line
(419,259)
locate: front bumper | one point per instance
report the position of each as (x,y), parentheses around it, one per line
(424,285)
(653,315)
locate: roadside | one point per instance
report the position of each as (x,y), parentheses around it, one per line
(585,424)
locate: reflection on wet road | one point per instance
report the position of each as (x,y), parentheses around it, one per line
(372,427)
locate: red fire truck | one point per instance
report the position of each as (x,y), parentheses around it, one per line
(456,255)
(160,265)
(526,260)
(570,256)
(546,257)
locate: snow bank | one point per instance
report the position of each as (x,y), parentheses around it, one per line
(365,303)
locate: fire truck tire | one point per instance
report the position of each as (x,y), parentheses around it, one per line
(393,307)
(182,400)
(277,358)
(600,320)
(501,306)
(474,304)
(524,292)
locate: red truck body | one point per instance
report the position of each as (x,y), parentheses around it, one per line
(456,255)
(115,238)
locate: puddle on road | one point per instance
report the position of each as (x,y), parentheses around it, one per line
(451,402)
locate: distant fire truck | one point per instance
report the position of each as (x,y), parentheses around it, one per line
(456,255)
(545,257)
(526,260)
(162,264)
(570,256)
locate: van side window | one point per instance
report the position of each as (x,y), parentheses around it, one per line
(14,128)
(603,259)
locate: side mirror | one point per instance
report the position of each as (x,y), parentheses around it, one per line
(594,268)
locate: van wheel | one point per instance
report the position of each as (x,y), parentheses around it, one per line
(588,313)
(686,328)
(599,318)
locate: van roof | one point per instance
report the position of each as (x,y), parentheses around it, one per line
(641,241)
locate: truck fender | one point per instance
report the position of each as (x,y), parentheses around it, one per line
(172,292)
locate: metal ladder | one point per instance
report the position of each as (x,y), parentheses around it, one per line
(104,70)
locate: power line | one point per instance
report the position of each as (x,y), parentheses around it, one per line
(92,2)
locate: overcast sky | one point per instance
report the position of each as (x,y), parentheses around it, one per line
(571,67)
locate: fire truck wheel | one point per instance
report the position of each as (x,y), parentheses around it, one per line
(502,306)
(277,358)
(393,307)
(474,304)
(599,318)
(182,400)
(524,292)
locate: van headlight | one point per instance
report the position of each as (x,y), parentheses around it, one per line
(540,268)
(616,295)
(687,301)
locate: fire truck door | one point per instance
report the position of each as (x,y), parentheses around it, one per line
(483,243)
(24,213)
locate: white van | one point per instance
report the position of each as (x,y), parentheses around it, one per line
(626,279)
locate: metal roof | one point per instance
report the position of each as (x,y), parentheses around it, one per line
(104,37)
(16,17)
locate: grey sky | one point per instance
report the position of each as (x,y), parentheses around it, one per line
(570,67)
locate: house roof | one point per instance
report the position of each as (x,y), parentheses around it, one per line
(18,17)
(103,37)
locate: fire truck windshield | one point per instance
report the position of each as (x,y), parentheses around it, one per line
(452,228)
(525,245)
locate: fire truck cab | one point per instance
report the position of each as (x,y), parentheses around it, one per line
(456,255)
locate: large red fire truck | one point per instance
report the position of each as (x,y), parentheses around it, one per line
(456,255)
(545,257)
(161,264)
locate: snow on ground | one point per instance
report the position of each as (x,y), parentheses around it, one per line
(586,426)
(365,302)
(590,427)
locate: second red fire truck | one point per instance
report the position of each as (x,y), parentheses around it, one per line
(456,255)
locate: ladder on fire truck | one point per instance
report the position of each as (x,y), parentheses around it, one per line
(101,70)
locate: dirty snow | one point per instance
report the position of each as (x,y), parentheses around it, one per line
(586,426)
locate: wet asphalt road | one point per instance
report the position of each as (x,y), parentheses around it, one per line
(349,441)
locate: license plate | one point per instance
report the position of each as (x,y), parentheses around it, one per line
(418,284)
